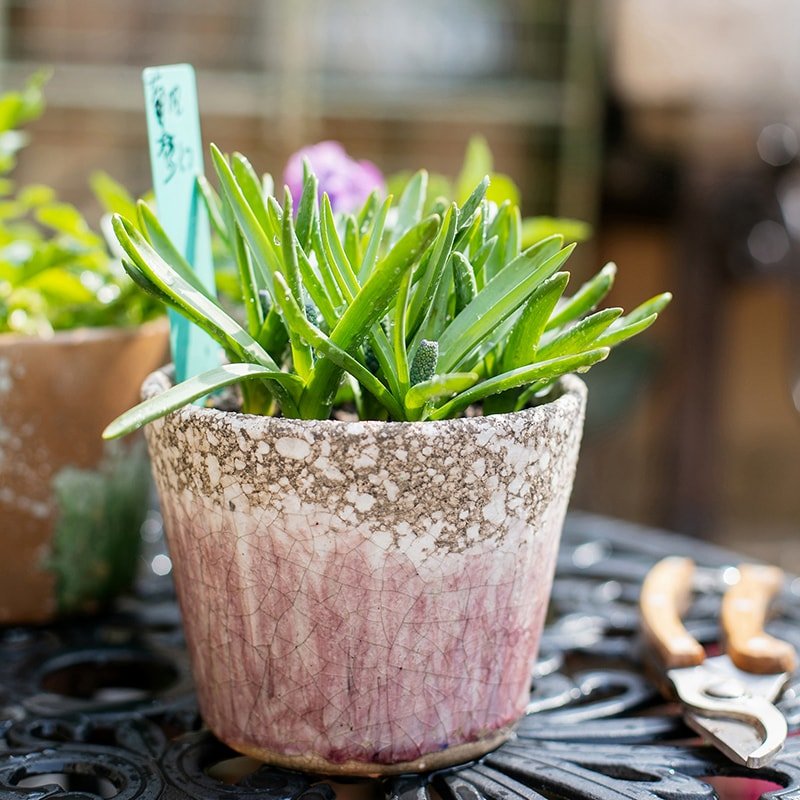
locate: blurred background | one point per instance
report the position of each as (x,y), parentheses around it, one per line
(672,127)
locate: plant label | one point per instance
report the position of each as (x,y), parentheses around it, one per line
(176,159)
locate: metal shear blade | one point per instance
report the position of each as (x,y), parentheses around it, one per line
(728,699)
(733,709)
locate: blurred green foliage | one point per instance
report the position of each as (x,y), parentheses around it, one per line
(56,273)
(502,191)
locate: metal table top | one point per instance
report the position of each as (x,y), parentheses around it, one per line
(105,708)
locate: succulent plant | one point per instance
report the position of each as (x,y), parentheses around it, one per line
(55,272)
(402,316)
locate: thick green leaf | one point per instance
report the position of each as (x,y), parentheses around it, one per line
(399,334)
(144,283)
(308,209)
(618,335)
(324,268)
(426,287)
(506,292)
(261,248)
(301,353)
(543,370)
(514,241)
(655,305)
(316,288)
(301,327)
(367,308)
(335,255)
(480,258)
(580,336)
(437,387)
(195,305)
(352,241)
(466,234)
(438,313)
(410,205)
(472,203)
(213,206)
(162,244)
(464,280)
(190,390)
(374,242)
(367,213)
(499,228)
(250,186)
(585,299)
(524,338)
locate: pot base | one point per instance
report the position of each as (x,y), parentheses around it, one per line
(449,757)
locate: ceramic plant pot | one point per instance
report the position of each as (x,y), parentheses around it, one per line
(70,508)
(364,597)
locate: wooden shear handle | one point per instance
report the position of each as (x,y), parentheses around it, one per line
(743,615)
(666,594)
(665,597)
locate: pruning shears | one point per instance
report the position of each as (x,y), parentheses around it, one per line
(727,699)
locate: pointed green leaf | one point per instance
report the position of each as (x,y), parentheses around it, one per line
(437,387)
(195,305)
(472,203)
(190,390)
(367,213)
(367,308)
(464,280)
(250,186)
(162,244)
(655,305)
(300,325)
(261,248)
(426,287)
(374,242)
(616,336)
(335,255)
(520,377)
(301,352)
(308,209)
(585,299)
(580,336)
(410,205)
(213,206)
(506,292)
(524,338)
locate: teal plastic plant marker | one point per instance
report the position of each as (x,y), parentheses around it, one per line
(176,159)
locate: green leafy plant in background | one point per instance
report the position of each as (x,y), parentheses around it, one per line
(502,191)
(55,271)
(402,315)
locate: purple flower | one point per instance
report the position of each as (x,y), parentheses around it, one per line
(348,182)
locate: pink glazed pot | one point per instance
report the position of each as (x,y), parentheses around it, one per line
(364,597)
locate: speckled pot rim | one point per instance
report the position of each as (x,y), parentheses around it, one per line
(569,387)
(79,336)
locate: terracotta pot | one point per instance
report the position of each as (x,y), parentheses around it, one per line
(70,508)
(364,597)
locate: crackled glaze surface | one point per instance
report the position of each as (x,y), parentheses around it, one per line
(360,594)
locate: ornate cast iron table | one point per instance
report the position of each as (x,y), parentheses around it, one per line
(106,709)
